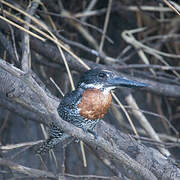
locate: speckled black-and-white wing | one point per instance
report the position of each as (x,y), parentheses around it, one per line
(68,110)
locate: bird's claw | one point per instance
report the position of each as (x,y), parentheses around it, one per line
(76,140)
(93,133)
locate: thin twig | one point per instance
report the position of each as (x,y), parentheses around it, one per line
(26,57)
(105,28)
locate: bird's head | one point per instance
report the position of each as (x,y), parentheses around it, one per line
(105,80)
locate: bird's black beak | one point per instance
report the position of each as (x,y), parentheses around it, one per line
(118,81)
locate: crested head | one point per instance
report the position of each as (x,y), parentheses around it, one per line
(95,78)
(105,80)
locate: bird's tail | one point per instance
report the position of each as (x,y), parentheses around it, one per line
(56,136)
(49,144)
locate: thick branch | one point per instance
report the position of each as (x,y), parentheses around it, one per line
(34,173)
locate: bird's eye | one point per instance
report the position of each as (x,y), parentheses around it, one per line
(102,75)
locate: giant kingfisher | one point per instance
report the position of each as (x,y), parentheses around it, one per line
(87,104)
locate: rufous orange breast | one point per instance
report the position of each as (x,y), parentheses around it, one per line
(94,104)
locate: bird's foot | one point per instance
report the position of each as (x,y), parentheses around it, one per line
(76,140)
(93,133)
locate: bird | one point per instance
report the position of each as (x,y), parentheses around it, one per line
(85,106)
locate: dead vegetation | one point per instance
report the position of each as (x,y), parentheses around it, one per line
(45,45)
